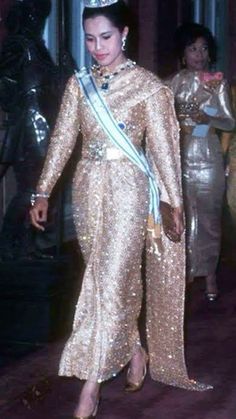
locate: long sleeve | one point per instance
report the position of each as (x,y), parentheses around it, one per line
(224,119)
(173,83)
(162,143)
(191,93)
(63,138)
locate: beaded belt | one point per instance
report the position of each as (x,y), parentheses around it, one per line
(113,153)
(103,153)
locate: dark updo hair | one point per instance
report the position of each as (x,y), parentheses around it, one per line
(118,13)
(188,33)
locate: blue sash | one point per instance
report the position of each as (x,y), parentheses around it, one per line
(117,136)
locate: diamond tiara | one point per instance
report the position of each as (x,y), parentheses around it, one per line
(99,3)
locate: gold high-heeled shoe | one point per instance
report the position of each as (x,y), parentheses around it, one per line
(131,387)
(93,415)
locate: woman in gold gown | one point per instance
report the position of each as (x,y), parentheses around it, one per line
(203,106)
(230,141)
(111,206)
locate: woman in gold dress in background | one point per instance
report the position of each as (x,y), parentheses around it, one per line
(111,198)
(228,140)
(203,106)
(229,143)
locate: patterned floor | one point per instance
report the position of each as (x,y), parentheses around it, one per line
(30,388)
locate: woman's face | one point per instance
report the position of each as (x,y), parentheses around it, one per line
(104,41)
(196,55)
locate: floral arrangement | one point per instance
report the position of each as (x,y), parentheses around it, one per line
(211,80)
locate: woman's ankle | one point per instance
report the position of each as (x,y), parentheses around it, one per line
(138,359)
(88,398)
(91,388)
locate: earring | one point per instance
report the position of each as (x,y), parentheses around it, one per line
(123,44)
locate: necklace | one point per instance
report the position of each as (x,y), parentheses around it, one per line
(107,77)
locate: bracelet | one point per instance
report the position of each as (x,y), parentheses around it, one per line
(34,196)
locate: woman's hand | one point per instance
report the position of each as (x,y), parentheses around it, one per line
(179,219)
(39,212)
(200,117)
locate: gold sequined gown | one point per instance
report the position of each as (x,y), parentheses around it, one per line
(110,205)
(231,183)
(202,167)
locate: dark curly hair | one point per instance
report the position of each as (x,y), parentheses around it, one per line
(188,33)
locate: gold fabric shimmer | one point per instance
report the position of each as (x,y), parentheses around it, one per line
(202,166)
(110,204)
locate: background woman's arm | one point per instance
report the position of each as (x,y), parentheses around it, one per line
(221,101)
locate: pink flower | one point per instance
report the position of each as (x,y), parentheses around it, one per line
(207,77)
